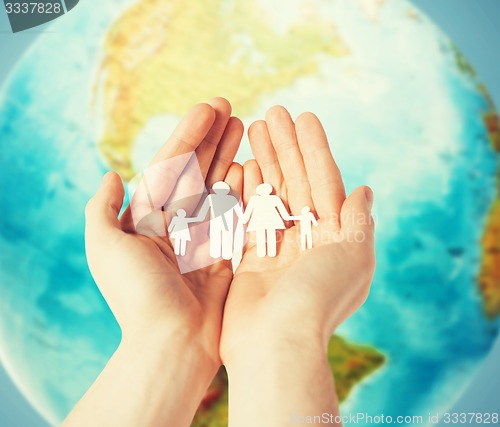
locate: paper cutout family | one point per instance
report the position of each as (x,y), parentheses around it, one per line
(265,214)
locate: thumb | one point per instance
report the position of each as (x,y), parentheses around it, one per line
(355,215)
(101,212)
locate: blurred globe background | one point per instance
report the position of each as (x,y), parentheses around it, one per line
(404,110)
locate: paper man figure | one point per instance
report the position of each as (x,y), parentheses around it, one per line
(265,214)
(222,206)
(306,219)
(179,231)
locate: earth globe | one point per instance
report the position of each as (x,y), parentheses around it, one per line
(405,113)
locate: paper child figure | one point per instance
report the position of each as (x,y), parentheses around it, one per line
(179,231)
(306,219)
(265,214)
(222,206)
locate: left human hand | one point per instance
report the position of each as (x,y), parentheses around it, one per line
(298,293)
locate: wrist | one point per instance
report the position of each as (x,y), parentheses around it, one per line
(151,377)
(279,376)
(274,344)
(178,348)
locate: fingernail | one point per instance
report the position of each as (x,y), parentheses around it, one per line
(369,196)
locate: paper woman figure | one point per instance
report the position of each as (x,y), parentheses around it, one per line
(306,219)
(179,231)
(265,214)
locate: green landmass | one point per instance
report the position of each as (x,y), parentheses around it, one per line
(163,57)
(349,363)
(213,411)
(489,276)
(461,61)
(489,273)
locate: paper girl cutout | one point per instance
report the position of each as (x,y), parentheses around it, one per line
(306,219)
(222,206)
(265,213)
(179,231)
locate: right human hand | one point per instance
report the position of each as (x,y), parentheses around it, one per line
(299,294)
(138,274)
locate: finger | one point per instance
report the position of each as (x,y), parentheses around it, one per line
(266,157)
(188,134)
(327,187)
(180,160)
(226,151)
(283,137)
(206,150)
(191,183)
(356,219)
(251,179)
(234,178)
(174,165)
(159,179)
(101,212)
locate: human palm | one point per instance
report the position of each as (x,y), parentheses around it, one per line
(317,288)
(184,322)
(136,271)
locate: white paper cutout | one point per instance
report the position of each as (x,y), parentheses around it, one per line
(265,214)
(222,207)
(179,231)
(306,219)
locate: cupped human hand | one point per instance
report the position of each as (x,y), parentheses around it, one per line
(299,294)
(138,275)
